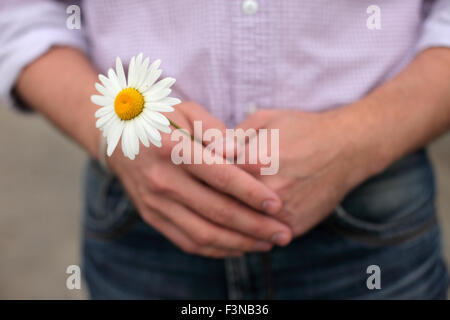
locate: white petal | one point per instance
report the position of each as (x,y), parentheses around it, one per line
(132,73)
(101,89)
(139,60)
(158,126)
(156,142)
(104,120)
(165,83)
(102,101)
(151,132)
(140,131)
(126,147)
(134,140)
(107,128)
(145,64)
(155,65)
(124,140)
(152,75)
(157,95)
(167,101)
(120,74)
(142,71)
(109,85)
(158,117)
(160,107)
(114,80)
(113,137)
(103,111)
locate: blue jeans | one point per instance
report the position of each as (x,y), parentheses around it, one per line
(389,221)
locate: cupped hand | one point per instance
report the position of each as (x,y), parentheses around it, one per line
(211,210)
(319,163)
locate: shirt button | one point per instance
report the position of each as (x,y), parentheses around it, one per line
(251,109)
(250,6)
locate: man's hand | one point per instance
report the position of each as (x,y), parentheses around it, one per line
(211,210)
(324,155)
(316,164)
(179,201)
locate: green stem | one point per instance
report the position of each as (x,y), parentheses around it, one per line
(173,124)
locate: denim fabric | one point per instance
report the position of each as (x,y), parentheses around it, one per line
(388,221)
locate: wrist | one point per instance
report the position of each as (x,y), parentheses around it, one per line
(362,141)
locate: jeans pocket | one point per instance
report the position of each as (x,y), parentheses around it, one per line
(392,207)
(109,212)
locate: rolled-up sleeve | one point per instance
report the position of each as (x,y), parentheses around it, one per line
(28,28)
(436,27)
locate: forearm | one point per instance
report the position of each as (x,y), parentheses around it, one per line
(59,85)
(403,114)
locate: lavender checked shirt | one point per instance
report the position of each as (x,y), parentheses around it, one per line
(234,56)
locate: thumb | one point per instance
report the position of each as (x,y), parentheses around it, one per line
(195,112)
(256,121)
(200,121)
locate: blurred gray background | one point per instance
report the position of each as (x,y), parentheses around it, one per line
(40,205)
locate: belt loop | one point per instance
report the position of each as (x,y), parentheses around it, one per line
(268,279)
(237,276)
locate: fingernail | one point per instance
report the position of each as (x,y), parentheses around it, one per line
(271,206)
(280,238)
(262,246)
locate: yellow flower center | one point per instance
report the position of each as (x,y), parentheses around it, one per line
(129,104)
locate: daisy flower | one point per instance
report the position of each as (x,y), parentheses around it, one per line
(130,107)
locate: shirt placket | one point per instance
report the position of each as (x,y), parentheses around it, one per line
(251,58)
(251,74)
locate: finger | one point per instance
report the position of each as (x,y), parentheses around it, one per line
(203,232)
(257,120)
(181,240)
(257,149)
(238,183)
(216,207)
(196,113)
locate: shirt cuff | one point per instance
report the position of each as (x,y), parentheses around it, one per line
(41,26)
(436,27)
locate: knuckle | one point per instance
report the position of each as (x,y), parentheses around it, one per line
(190,248)
(263,229)
(259,114)
(188,107)
(204,238)
(253,194)
(221,214)
(141,191)
(222,179)
(246,245)
(166,150)
(157,179)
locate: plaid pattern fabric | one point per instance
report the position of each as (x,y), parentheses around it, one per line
(297,54)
